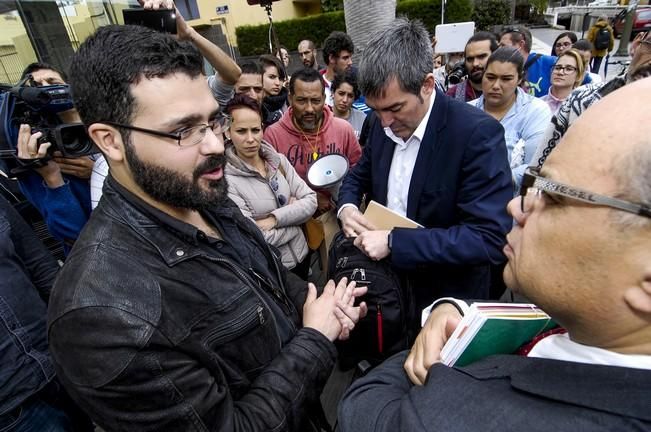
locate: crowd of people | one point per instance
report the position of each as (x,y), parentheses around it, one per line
(181,301)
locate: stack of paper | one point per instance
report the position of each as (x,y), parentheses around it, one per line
(493,328)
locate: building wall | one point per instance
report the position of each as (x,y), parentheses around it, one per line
(241,13)
(82,19)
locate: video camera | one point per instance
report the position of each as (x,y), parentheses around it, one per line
(458,72)
(38,107)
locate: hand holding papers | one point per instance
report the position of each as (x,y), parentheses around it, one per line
(493,328)
(383,218)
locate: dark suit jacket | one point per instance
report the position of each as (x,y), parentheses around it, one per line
(500,393)
(459,190)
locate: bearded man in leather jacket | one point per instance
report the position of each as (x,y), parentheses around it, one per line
(172,313)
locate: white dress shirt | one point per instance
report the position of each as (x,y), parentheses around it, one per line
(402,164)
(561,347)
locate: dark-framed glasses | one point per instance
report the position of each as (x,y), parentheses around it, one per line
(186,137)
(564,68)
(534,187)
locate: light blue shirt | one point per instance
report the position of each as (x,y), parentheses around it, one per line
(524,127)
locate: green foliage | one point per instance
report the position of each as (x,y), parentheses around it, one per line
(253,40)
(332,5)
(539,6)
(489,13)
(429,11)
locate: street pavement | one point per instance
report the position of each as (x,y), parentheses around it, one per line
(543,39)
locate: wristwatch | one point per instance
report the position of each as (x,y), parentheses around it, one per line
(390,240)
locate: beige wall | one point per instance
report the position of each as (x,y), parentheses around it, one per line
(240,13)
(15,48)
(80,22)
(10,27)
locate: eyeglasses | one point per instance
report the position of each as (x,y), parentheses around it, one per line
(565,69)
(534,187)
(186,137)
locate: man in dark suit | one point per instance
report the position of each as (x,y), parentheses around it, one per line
(580,251)
(435,160)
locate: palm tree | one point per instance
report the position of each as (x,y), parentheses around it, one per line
(365,17)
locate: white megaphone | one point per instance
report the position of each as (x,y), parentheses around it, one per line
(327,172)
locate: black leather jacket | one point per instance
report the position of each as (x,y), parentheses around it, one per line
(150,329)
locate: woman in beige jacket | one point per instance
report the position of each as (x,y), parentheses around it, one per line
(265,186)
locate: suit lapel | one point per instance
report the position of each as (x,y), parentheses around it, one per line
(384,165)
(426,153)
(618,390)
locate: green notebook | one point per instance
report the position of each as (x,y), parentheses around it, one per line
(493,328)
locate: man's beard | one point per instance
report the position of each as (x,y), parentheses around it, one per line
(309,125)
(343,70)
(175,189)
(480,76)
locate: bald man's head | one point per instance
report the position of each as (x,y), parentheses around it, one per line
(307,51)
(580,248)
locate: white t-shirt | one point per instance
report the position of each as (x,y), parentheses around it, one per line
(97,177)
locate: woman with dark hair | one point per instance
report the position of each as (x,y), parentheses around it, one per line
(563,42)
(344,92)
(283,56)
(266,187)
(567,74)
(523,117)
(275,99)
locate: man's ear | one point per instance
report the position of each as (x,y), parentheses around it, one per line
(429,85)
(332,59)
(638,297)
(108,140)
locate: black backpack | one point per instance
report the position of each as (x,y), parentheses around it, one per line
(384,330)
(602,40)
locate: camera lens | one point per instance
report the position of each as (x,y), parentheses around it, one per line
(74,140)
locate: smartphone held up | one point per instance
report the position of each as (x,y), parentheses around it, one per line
(163,20)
